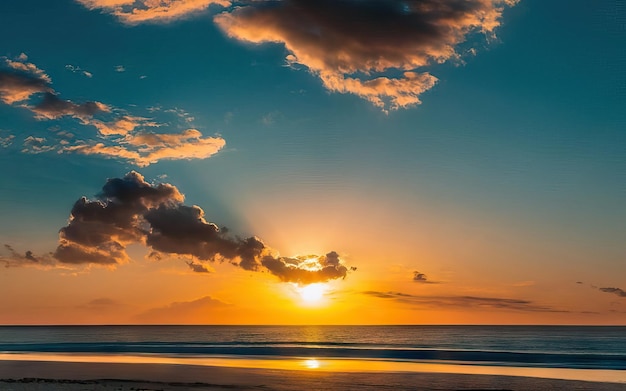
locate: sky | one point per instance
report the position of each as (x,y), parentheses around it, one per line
(312,162)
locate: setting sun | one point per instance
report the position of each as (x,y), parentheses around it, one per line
(312,293)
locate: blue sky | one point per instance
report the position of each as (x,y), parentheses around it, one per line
(510,171)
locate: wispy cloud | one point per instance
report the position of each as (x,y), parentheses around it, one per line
(616,291)
(131,210)
(183,312)
(355,46)
(139,150)
(140,11)
(79,70)
(6,139)
(101,304)
(476,302)
(35,145)
(121,135)
(9,257)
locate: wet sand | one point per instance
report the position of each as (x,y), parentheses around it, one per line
(70,376)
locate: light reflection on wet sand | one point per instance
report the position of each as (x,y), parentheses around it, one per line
(332,365)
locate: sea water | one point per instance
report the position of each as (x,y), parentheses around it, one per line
(586,348)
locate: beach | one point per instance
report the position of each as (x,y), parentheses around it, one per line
(18,375)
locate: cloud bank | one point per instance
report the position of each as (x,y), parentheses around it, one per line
(462,301)
(131,210)
(118,134)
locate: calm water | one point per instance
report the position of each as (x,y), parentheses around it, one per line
(511,346)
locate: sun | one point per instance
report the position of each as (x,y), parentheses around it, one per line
(312,293)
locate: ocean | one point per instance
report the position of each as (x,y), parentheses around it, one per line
(574,347)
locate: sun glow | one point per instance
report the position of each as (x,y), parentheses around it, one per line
(312,293)
(312,363)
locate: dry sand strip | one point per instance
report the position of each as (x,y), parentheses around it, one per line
(64,376)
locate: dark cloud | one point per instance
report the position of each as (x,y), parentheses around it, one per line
(17,87)
(476,302)
(131,210)
(326,267)
(616,291)
(198,267)
(51,107)
(352,45)
(422,279)
(28,255)
(98,231)
(28,258)
(9,257)
(376,49)
(21,80)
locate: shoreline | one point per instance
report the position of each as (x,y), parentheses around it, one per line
(18,375)
(335,365)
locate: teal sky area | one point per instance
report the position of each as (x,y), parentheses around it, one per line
(507,180)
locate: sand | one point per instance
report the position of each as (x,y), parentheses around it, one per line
(69,376)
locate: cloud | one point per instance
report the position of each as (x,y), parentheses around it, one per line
(122,125)
(148,148)
(120,68)
(306,270)
(421,278)
(21,64)
(120,134)
(20,81)
(101,304)
(98,231)
(35,145)
(140,11)
(131,210)
(15,259)
(52,107)
(20,86)
(375,49)
(476,302)
(616,291)
(6,141)
(269,119)
(198,267)
(183,312)
(77,69)
(523,284)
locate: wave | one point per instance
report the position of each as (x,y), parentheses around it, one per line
(279,350)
